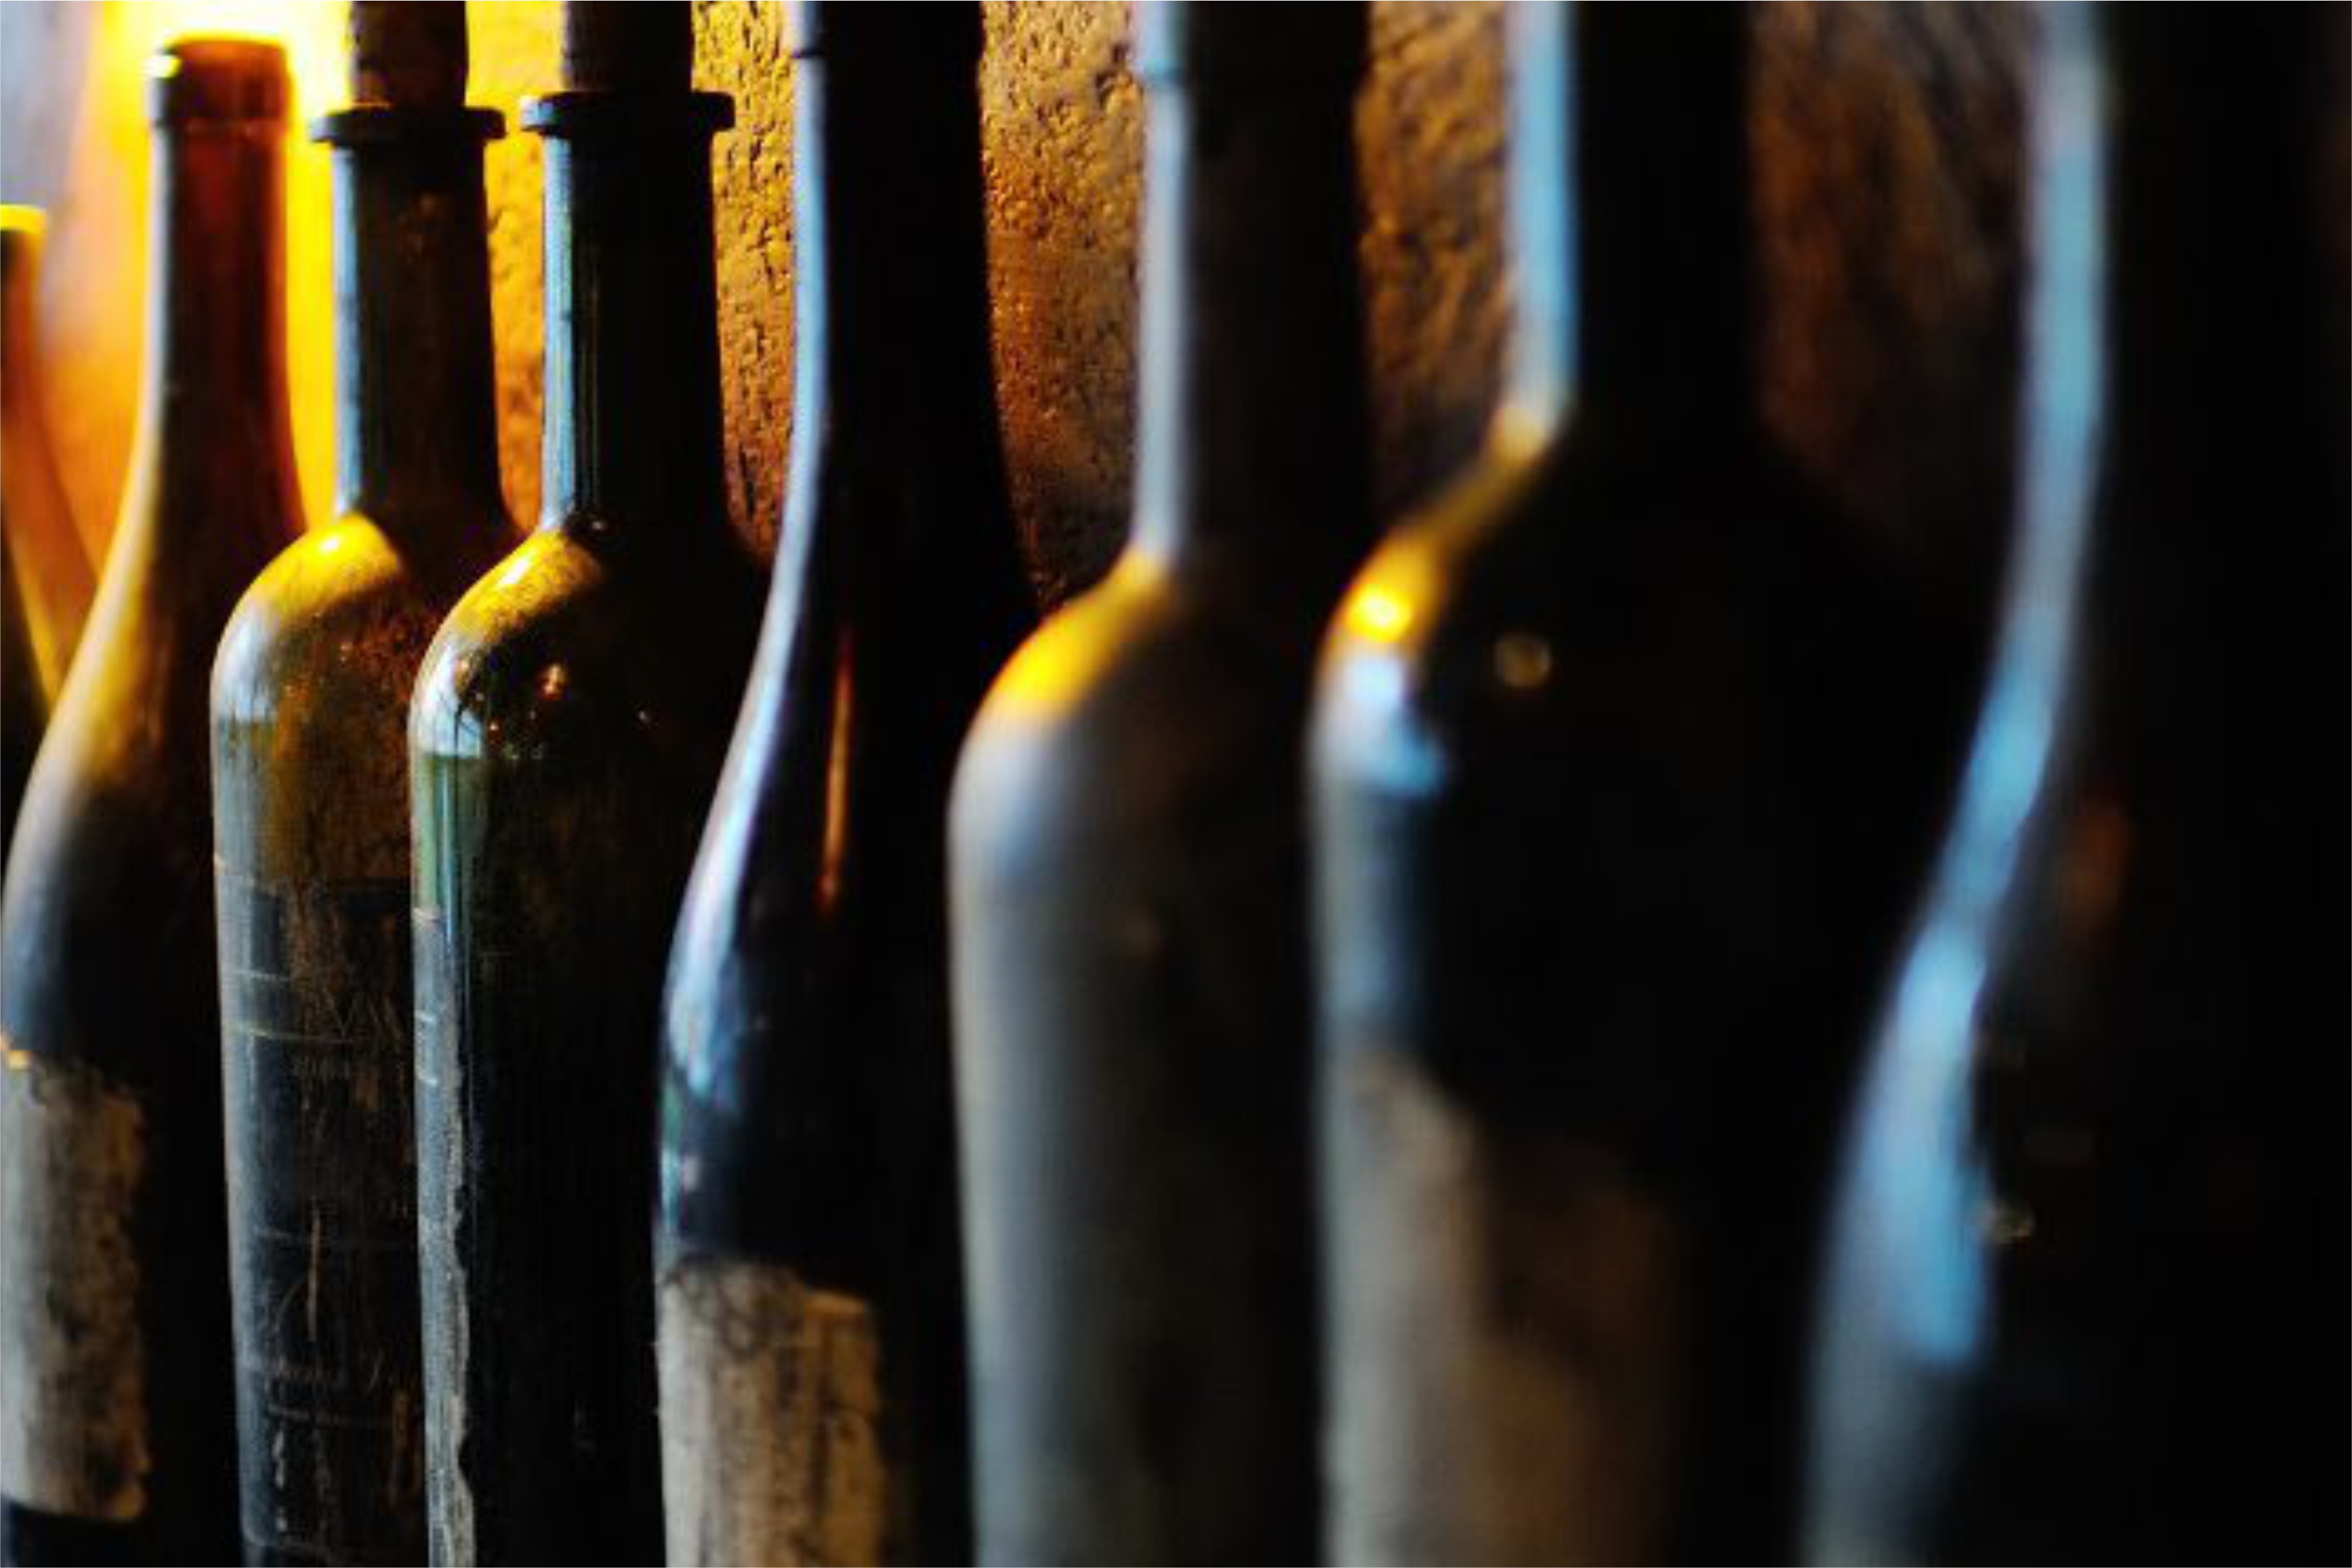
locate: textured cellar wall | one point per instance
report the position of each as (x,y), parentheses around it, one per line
(1885,194)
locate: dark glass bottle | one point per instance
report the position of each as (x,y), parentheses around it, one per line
(566,735)
(2086,1297)
(45,581)
(310,720)
(811,1285)
(1129,891)
(116,1437)
(1623,770)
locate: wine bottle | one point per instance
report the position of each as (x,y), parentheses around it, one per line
(811,1285)
(2086,1297)
(309,724)
(566,735)
(116,1440)
(1621,774)
(1129,899)
(45,581)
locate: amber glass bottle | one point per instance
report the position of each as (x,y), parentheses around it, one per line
(45,580)
(310,722)
(811,1294)
(566,735)
(2086,1296)
(1619,789)
(116,1434)
(1130,900)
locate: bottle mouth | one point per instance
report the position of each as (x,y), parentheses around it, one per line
(218,77)
(23,231)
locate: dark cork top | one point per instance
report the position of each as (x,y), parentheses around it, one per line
(218,79)
(408,53)
(628,46)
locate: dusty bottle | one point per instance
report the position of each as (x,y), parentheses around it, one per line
(811,1285)
(45,579)
(1619,785)
(2086,1298)
(309,724)
(116,1434)
(566,735)
(1130,896)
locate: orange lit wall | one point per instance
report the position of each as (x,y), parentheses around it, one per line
(1886,194)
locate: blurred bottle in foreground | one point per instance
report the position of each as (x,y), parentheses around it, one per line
(1128,857)
(1622,783)
(2086,1298)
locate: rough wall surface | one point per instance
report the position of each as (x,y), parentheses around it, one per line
(1886,191)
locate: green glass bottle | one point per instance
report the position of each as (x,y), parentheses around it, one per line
(116,1438)
(566,735)
(2086,1296)
(1623,771)
(309,731)
(812,1327)
(1129,890)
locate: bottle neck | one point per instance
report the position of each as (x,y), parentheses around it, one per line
(633,436)
(1633,248)
(890,303)
(1253,462)
(20,391)
(416,395)
(215,449)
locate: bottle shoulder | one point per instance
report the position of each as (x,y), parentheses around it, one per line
(337,612)
(1130,699)
(1442,582)
(1604,579)
(561,634)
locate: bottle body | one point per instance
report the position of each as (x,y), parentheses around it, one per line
(1594,857)
(1128,957)
(1127,873)
(309,760)
(554,828)
(811,1288)
(566,734)
(114,1327)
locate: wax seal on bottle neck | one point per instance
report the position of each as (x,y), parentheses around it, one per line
(407,54)
(220,79)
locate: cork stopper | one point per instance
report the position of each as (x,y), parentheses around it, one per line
(1196,43)
(216,78)
(408,53)
(628,46)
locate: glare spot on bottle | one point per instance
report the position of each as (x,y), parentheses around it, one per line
(516,570)
(1378,614)
(554,681)
(1523,661)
